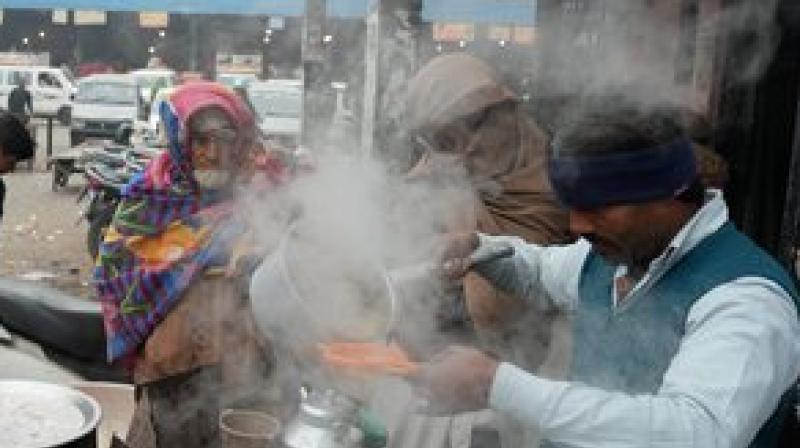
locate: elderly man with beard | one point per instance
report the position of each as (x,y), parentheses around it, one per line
(685,332)
(166,277)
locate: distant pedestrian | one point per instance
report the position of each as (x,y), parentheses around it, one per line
(20,103)
(15,145)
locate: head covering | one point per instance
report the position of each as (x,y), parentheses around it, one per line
(449,87)
(507,155)
(590,181)
(166,229)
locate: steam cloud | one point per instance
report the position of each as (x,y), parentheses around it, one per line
(357,217)
(649,43)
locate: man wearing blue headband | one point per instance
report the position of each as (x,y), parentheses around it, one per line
(685,332)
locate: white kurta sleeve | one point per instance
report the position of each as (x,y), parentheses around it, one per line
(548,276)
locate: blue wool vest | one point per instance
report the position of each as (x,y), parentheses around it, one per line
(629,350)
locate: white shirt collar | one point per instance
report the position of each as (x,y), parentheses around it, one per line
(711,216)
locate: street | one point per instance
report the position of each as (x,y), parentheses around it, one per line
(40,236)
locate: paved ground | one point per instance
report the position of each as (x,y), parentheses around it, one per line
(40,238)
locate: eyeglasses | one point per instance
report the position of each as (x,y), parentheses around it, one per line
(218,136)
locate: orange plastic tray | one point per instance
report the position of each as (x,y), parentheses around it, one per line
(368,357)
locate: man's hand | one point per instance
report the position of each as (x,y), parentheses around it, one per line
(455,255)
(457,380)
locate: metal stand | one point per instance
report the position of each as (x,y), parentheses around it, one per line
(49,147)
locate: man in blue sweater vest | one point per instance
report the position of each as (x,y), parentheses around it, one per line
(685,333)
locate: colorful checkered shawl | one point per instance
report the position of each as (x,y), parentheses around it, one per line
(161,205)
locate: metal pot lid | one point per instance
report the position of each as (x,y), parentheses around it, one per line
(38,414)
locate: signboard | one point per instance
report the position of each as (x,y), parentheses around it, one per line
(238,63)
(153,19)
(277,23)
(499,33)
(89,17)
(524,35)
(15,58)
(60,17)
(453,32)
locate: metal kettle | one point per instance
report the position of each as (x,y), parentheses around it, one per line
(326,419)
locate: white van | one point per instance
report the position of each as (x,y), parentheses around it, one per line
(50,89)
(105,107)
(278,104)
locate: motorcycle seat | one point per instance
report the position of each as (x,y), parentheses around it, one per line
(109,159)
(53,319)
(107,175)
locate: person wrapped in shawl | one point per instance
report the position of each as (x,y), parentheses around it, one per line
(460,115)
(171,312)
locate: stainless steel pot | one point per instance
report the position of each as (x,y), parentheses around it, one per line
(283,312)
(38,414)
(287,312)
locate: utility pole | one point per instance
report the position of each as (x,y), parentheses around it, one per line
(313,55)
(77,53)
(194,48)
(390,60)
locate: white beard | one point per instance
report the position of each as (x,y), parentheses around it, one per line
(212,179)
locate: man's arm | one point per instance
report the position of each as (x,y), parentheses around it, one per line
(29,102)
(544,275)
(741,352)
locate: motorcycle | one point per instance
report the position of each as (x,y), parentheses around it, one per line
(107,171)
(52,347)
(61,333)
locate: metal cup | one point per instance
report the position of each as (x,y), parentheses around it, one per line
(241,428)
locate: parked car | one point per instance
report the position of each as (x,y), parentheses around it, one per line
(106,107)
(50,89)
(278,104)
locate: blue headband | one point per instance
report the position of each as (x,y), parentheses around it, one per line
(589,181)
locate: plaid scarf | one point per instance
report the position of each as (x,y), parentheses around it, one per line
(166,231)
